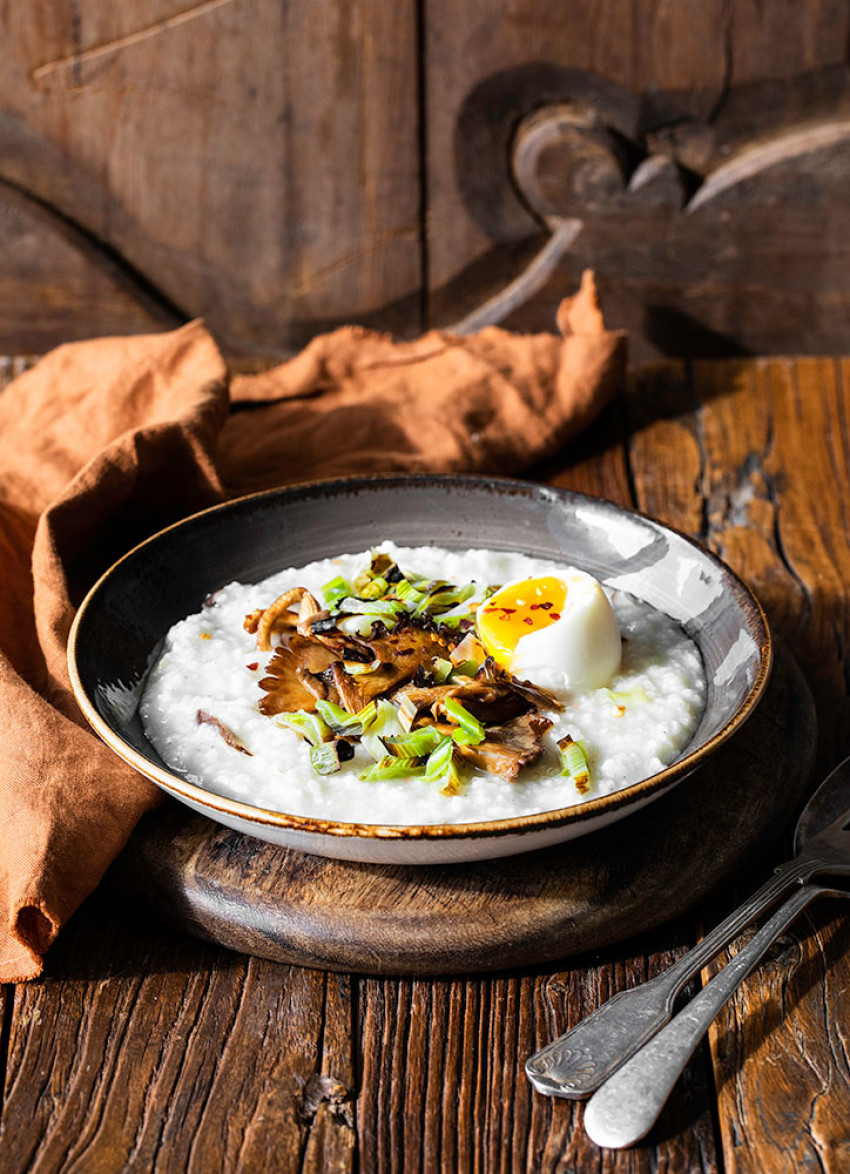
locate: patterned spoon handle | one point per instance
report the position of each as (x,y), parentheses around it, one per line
(629,1103)
(581,1060)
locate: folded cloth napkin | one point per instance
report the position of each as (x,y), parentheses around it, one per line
(105,442)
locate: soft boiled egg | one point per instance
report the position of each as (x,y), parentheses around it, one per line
(560,621)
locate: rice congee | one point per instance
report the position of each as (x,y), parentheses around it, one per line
(414,686)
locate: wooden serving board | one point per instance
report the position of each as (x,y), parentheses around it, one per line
(388,919)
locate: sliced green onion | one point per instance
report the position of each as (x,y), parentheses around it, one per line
(309,726)
(356,625)
(416,744)
(370,607)
(429,586)
(384,725)
(442,669)
(382,564)
(463,718)
(574,763)
(441,768)
(429,591)
(339,719)
(373,581)
(456,615)
(439,758)
(470,650)
(444,599)
(324,758)
(367,714)
(391,768)
(362,579)
(467,669)
(408,711)
(449,621)
(462,737)
(374,589)
(343,722)
(335,590)
(405,591)
(355,669)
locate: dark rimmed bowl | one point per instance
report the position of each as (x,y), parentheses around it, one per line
(119,626)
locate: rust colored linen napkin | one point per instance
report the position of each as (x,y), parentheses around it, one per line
(105,442)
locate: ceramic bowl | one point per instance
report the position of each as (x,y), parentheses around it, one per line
(119,627)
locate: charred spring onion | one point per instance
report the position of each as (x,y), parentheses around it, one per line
(385,725)
(348,724)
(574,763)
(325,758)
(335,590)
(441,768)
(442,670)
(470,726)
(309,726)
(416,744)
(371,607)
(391,768)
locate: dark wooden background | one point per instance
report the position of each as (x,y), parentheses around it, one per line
(282,167)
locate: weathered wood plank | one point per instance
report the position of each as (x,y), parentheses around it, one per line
(458,1049)
(257,163)
(779,1044)
(766,443)
(261,165)
(142,1051)
(57,286)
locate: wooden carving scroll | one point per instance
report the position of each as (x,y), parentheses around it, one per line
(754,258)
(717,222)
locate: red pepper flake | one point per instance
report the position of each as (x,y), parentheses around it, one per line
(528,620)
(541,606)
(619,711)
(556,615)
(253,665)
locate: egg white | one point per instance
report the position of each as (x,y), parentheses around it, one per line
(584,644)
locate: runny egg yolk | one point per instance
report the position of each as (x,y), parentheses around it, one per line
(517,610)
(561,622)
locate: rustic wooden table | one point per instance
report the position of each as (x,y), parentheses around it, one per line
(142,1050)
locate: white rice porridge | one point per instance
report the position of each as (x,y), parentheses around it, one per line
(211,663)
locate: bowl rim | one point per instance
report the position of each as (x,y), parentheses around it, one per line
(589,810)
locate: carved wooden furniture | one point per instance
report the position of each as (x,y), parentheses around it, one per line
(279,169)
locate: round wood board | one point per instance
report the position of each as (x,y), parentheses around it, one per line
(389,919)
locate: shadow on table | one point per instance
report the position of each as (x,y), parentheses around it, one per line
(106,939)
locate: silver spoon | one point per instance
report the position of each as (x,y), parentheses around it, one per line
(586,1056)
(626,1107)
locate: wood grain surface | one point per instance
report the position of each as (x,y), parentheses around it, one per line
(281,168)
(376,919)
(256,163)
(147,1051)
(686,93)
